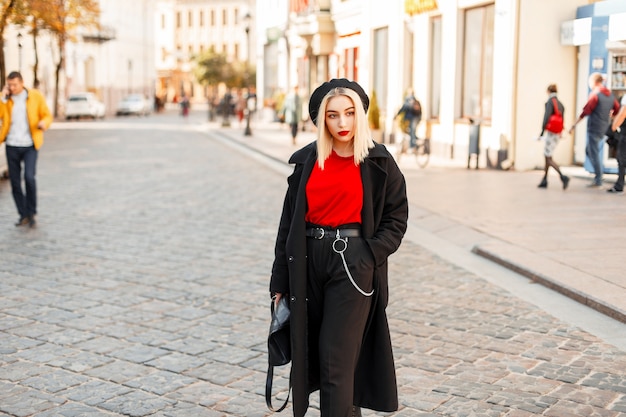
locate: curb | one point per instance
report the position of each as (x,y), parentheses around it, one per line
(585,299)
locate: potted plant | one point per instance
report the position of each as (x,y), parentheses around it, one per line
(373,116)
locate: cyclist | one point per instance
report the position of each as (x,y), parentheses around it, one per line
(411,113)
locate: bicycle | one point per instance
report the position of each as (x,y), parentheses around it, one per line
(421,150)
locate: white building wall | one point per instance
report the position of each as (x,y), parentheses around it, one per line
(543,61)
(271,17)
(116,67)
(165,46)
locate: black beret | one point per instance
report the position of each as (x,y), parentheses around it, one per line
(321,91)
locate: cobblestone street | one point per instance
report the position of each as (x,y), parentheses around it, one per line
(143,291)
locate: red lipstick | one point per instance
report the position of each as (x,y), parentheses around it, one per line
(344,133)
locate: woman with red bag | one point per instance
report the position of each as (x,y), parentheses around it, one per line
(551,131)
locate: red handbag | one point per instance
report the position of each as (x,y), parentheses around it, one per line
(555,122)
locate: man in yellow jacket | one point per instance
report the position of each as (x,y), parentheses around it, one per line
(25,116)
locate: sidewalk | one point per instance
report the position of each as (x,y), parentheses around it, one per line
(571,241)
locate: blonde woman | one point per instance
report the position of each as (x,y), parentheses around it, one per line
(344,213)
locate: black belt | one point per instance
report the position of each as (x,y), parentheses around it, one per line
(322,232)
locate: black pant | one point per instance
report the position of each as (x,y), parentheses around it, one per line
(26,203)
(621,162)
(337,314)
(294,130)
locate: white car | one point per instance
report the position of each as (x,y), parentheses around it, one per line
(134,104)
(84,105)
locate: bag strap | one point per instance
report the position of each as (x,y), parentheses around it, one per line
(268,390)
(556,106)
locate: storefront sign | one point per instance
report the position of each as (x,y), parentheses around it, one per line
(617,27)
(412,7)
(576,32)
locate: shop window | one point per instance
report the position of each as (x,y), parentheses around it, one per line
(435,67)
(380,65)
(478,63)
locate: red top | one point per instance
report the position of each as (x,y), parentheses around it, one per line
(335,195)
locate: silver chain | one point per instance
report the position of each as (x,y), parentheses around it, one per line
(345,265)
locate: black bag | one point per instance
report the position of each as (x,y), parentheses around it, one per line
(612,140)
(278,347)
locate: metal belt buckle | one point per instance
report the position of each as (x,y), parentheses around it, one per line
(319,233)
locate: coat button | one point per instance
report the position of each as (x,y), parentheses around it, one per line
(293,298)
(290,259)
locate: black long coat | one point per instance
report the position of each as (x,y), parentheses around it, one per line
(384,221)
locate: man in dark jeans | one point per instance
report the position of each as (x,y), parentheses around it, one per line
(599,107)
(619,122)
(25,116)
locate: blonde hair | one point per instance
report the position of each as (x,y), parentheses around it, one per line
(595,78)
(362,141)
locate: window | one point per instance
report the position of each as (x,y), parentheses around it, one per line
(381,63)
(212,17)
(162,21)
(237,16)
(478,63)
(351,63)
(201,18)
(435,67)
(178,18)
(190,18)
(224,17)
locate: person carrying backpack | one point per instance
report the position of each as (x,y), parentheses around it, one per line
(551,130)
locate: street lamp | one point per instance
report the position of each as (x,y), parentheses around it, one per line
(19,47)
(248,131)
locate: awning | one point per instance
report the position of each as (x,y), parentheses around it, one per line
(412,7)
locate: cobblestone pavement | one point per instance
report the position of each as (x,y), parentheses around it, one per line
(143,292)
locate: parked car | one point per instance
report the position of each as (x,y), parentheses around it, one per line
(84,105)
(134,104)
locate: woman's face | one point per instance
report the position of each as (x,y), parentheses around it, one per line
(340,116)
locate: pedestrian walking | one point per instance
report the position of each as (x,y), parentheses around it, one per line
(25,116)
(292,111)
(599,107)
(184,106)
(551,130)
(345,212)
(619,125)
(411,115)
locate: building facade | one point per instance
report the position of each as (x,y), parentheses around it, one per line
(487,62)
(118,58)
(186,28)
